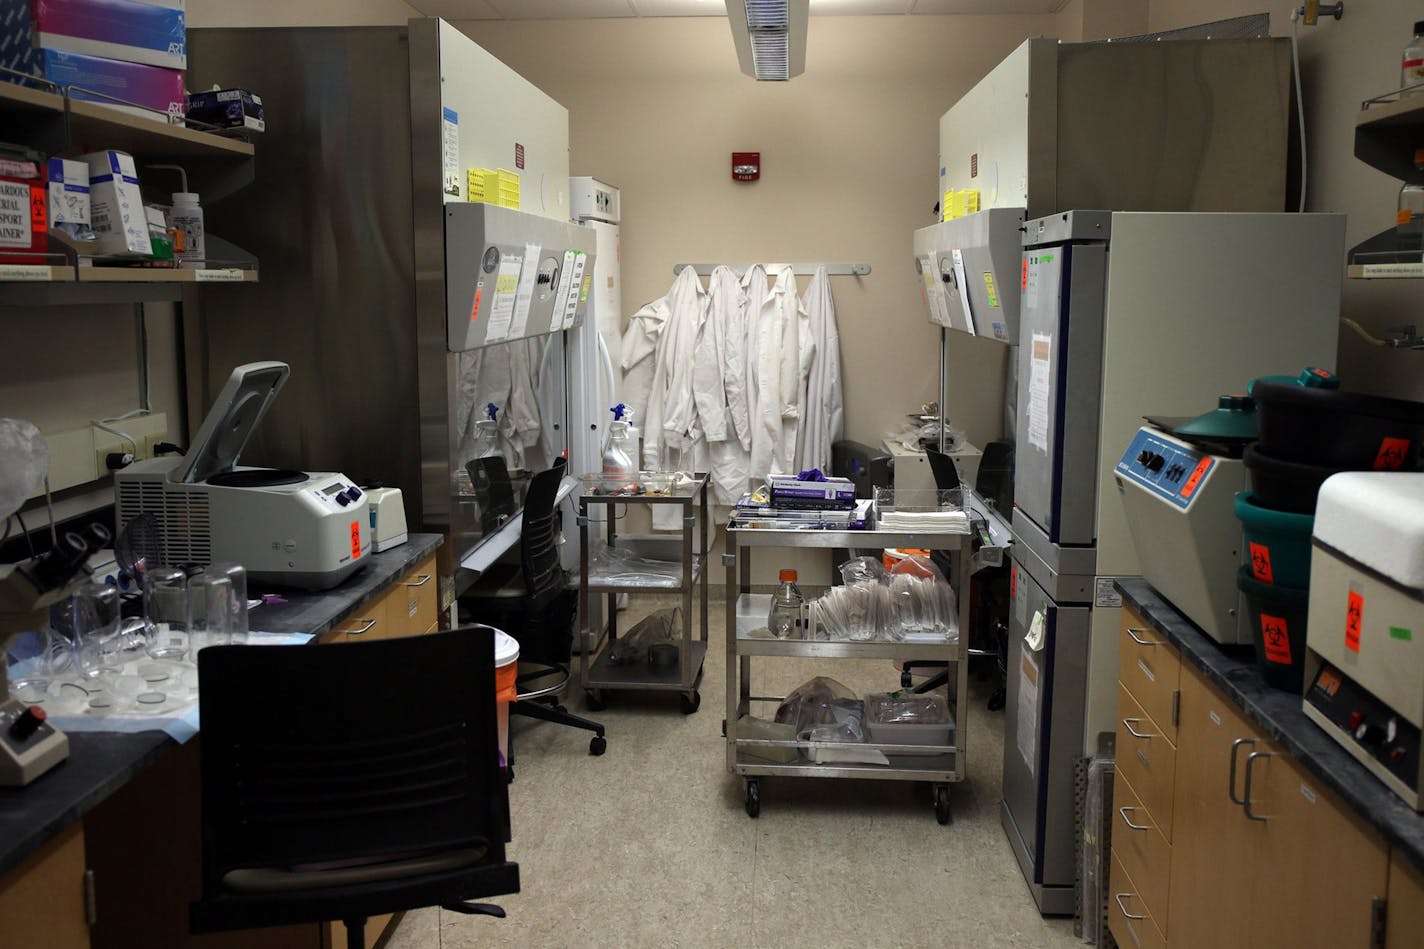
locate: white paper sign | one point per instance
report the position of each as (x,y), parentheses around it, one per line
(218,275)
(1037,632)
(450,153)
(1105,595)
(506,284)
(561,291)
(15,228)
(1027,719)
(576,289)
(963,283)
(934,291)
(26,272)
(1040,354)
(524,291)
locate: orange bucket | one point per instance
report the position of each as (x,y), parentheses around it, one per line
(506,668)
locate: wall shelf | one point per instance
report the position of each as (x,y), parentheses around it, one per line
(1388,130)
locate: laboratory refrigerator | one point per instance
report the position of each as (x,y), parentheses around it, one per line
(388,291)
(1122,315)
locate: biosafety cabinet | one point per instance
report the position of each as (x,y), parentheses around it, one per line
(402,306)
(1169,125)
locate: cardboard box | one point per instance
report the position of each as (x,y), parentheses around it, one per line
(116,205)
(228,108)
(153,33)
(68,192)
(144,90)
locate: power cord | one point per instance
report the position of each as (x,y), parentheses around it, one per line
(1295,16)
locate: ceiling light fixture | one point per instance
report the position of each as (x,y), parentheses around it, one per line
(770,36)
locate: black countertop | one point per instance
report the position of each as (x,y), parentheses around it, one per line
(102,762)
(1279,715)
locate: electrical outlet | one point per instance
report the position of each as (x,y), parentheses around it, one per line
(143,429)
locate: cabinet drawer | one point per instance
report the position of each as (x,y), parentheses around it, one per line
(1151,669)
(1128,919)
(1146,855)
(1146,759)
(414,602)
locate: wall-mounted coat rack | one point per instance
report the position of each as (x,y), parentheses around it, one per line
(801,270)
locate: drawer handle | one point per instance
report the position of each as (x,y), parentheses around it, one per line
(1123,811)
(1127,723)
(1133,631)
(1118,897)
(1246,792)
(363,630)
(424,579)
(1231,774)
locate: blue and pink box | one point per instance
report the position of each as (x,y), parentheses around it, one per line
(131,50)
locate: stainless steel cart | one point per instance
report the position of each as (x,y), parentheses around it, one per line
(598,674)
(939,765)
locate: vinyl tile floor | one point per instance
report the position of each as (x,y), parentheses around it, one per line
(650,845)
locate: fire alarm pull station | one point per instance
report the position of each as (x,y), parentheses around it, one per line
(746,166)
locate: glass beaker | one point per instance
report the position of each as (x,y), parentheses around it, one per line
(217,607)
(34,660)
(165,612)
(234,599)
(95,618)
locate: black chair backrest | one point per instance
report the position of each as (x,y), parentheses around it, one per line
(493,489)
(942,467)
(866,468)
(995,481)
(539,534)
(315,753)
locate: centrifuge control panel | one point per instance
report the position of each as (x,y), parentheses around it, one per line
(1168,468)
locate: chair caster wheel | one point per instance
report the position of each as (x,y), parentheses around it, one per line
(942,811)
(597,745)
(753,799)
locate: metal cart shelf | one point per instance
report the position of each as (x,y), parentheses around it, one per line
(940,765)
(596,672)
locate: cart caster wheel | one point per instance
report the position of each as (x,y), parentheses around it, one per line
(997,700)
(691,704)
(597,745)
(753,799)
(942,811)
(595,702)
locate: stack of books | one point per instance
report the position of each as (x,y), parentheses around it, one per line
(746,513)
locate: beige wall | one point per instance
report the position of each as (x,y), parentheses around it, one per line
(1341,65)
(232,13)
(848,168)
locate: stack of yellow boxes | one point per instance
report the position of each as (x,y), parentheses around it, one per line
(493,186)
(959,203)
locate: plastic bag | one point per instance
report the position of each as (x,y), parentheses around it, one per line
(24,463)
(856,612)
(923,606)
(823,710)
(906,708)
(664,626)
(862,568)
(621,565)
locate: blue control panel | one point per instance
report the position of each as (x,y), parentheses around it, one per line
(1165,466)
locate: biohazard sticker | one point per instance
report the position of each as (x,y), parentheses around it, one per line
(1275,636)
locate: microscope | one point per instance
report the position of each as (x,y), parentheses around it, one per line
(29,745)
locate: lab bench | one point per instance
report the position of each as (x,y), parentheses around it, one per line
(940,764)
(1236,819)
(112,835)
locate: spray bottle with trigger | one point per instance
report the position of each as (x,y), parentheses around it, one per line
(617,460)
(487,433)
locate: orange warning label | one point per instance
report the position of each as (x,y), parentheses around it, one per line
(1013,582)
(1275,637)
(1023,279)
(1392,452)
(1354,610)
(1261,562)
(1194,479)
(475,309)
(355,540)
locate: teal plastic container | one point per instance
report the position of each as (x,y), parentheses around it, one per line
(1277,543)
(1277,616)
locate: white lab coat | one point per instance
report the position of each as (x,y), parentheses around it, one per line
(719,386)
(503,374)
(783,359)
(638,356)
(755,293)
(824,420)
(672,428)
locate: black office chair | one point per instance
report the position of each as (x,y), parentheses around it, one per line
(988,590)
(867,470)
(534,603)
(336,798)
(494,489)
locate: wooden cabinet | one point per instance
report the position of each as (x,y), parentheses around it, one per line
(1264,854)
(409,607)
(42,899)
(1404,919)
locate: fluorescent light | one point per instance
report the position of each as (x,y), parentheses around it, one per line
(770,37)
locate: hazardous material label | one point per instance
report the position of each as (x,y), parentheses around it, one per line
(1354,615)
(1261,562)
(1275,637)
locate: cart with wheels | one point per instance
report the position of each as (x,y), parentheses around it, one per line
(598,674)
(938,766)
